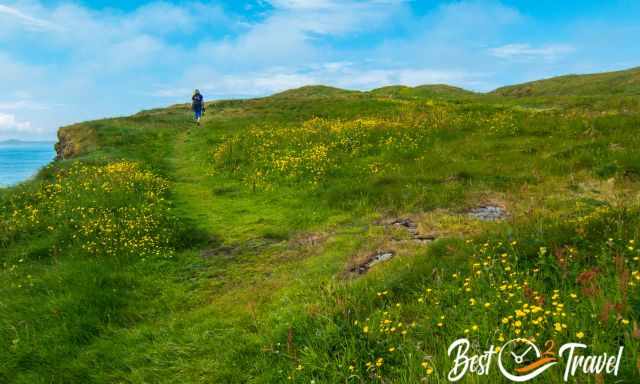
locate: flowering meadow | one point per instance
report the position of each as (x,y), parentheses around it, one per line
(325,236)
(585,291)
(114,210)
(319,148)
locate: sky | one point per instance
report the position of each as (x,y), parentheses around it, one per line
(63,61)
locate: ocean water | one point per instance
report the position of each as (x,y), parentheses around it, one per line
(19,162)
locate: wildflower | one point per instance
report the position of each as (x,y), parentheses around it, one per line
(580,335)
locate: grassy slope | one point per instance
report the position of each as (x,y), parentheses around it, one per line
(268,298)
(422,91)
(608,83)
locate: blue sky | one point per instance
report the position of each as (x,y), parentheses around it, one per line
(68,61)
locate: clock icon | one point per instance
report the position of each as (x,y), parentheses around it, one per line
(520,360)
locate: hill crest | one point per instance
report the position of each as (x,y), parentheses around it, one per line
(603,83)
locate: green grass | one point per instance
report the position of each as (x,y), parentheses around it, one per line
(164,252)
(608,83)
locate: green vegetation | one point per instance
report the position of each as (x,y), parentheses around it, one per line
(162,252)
(422,91)
(608,83)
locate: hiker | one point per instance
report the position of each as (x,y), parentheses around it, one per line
(197,104)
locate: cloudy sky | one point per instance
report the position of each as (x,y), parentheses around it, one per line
(68,61)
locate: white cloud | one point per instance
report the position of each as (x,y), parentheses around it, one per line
(342,75)
(30,22)
(303,4)
(24,105)
(10,125)
(331,17)
(253,84)
(416,76)
(336,65)
(327,4)
(548,52)
(162,18)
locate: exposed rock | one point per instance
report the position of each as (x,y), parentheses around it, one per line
(407,224)
(75,140)
(372,260)
(488,213)
(412,228)
(64,147)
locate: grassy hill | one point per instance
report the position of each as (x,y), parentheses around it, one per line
(609,83)
(421,91)
(392,91)
(323,235)
(314,91)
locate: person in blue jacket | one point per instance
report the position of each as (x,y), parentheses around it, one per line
(197,104)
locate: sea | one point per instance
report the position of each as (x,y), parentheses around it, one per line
(20,161)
